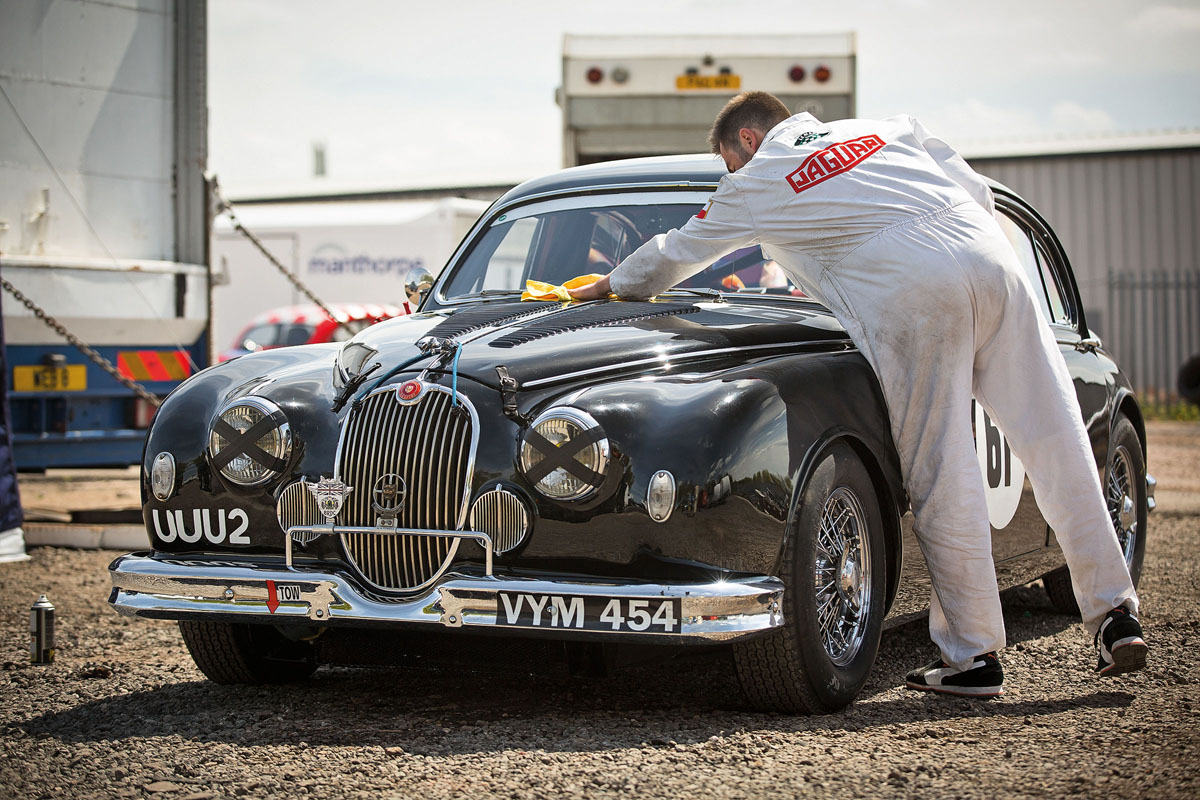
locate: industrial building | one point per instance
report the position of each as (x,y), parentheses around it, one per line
(1126,209)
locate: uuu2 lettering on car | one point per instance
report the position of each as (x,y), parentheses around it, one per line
(232,523)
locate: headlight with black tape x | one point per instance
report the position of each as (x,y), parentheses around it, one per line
(565,454)
(250,441)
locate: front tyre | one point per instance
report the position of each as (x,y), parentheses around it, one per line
(834,574)
(1125,496)
(233,652)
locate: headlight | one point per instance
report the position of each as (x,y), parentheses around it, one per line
(250,441)
(564,454)
(352,357)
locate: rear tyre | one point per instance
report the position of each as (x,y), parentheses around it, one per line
(231,652)
(834,577)
(1125,496)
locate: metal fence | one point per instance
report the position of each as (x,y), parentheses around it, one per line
(1153,327)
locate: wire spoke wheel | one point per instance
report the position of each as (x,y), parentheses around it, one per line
(834,571)
(842,575)
(1122,496)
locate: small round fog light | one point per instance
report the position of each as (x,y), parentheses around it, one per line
(660,497)
(162,476)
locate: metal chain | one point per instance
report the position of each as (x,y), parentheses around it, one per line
(223,207)
(100,360)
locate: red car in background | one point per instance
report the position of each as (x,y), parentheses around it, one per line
(309,324)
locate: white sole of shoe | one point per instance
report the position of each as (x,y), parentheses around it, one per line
(1129,655)
(959,691)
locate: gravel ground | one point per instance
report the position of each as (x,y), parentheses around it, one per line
(123,713)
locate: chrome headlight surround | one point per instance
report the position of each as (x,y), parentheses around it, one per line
(573,473)
(250,463)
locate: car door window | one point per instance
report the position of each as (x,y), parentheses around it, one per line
(297,334)
(1019,238)
(1058,309)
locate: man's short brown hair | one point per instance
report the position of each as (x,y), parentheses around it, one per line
(761,111)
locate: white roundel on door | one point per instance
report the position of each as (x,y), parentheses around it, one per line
(1003,472)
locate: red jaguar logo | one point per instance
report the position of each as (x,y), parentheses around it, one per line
(834,160)
(409,390)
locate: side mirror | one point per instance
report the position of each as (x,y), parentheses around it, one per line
(417,285)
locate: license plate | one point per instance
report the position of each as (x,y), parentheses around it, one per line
(69,378)
(731,82)
(588,613)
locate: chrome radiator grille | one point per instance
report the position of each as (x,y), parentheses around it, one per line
(296,506)
(430,445)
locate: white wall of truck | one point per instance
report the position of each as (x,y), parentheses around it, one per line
(358,251)
(625,96)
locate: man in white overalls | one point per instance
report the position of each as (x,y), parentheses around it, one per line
(891,229)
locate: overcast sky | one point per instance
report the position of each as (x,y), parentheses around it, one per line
(461,92)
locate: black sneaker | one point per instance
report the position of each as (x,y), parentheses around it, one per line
(1120,643)
(984,678)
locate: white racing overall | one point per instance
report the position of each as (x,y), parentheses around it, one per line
(889,228)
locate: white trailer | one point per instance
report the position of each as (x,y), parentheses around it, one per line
(103,217)
(356,251)
(626,96)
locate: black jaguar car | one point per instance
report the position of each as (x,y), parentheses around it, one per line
(709,468)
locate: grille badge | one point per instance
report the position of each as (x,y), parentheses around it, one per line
(387,498)
(329,493)
(410,390)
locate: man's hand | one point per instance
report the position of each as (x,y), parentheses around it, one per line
(592,291)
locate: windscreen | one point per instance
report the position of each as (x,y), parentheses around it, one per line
(558,242)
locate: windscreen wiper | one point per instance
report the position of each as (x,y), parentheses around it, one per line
(702,291)
(486,293)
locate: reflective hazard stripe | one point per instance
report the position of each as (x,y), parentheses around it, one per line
(153,365)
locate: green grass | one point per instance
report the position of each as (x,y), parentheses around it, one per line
(1155,407)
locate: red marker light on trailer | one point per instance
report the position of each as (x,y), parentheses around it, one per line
(822,73)
(796,73)
(595,75)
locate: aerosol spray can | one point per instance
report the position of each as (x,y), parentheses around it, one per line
(41,631)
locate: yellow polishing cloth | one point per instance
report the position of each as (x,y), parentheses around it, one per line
(536,290)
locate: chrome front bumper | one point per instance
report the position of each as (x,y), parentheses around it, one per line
(166,587)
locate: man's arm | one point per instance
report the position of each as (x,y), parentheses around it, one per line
(955,166)
(671,257)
